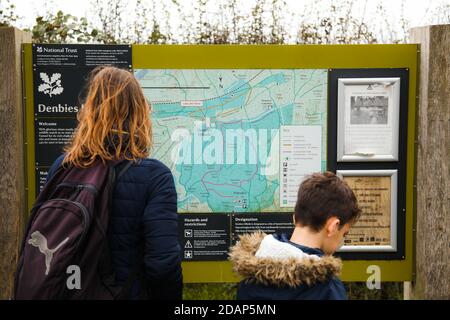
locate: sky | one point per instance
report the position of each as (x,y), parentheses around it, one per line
(415,10)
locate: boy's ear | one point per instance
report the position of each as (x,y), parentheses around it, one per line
(332,226)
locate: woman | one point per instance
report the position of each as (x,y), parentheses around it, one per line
(114,123)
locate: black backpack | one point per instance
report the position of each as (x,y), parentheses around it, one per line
(65,252)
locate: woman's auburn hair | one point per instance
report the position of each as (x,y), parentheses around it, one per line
(114,122)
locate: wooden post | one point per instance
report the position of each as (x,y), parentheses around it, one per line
(432,279)
(12,162)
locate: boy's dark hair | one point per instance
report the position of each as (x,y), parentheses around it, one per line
(325,195)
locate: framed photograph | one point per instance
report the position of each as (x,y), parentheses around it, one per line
(368,119)
(376,229)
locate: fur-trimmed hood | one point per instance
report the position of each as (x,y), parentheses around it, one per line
(266,260)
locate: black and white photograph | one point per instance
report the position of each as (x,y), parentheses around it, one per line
(368,118)
(369,110)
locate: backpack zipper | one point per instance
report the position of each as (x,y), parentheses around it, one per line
(85,212)
(79,186)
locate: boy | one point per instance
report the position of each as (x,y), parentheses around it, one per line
(300,266)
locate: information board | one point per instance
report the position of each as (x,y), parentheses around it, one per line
(374,197)
(59,77)
(240,127)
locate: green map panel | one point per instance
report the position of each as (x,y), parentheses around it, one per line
(218,131)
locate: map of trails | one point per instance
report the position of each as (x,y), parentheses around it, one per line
(237,140)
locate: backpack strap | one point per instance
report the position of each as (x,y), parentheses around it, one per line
(124,169)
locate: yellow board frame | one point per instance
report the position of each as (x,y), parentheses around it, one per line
(271,57)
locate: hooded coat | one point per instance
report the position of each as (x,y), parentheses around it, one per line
(274,268)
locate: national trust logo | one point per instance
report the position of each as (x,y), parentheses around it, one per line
(51,85)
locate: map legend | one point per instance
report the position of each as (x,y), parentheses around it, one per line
(300,155)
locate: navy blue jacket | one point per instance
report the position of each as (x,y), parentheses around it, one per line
(145,211)
(283,270)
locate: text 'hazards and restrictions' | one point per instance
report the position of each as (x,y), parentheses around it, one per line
(204,237)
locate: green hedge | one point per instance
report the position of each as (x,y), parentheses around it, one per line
(355,291)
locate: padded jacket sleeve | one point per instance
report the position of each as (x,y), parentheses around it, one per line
(162,253)
(336,290)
